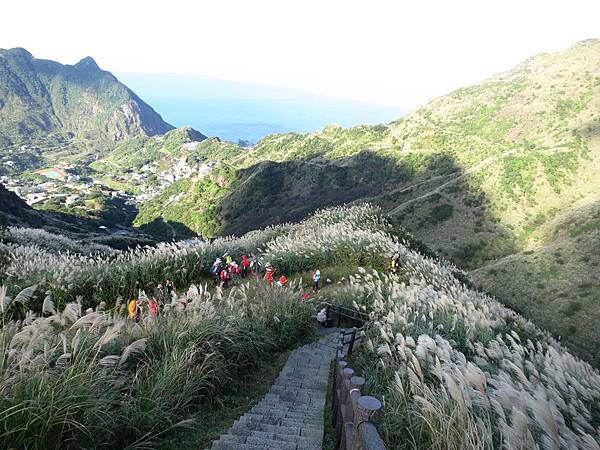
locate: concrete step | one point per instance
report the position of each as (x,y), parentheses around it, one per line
(290,416)
(273,444)
(221,445)
(286,414)
(242,427)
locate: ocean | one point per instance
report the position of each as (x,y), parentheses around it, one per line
(237,111)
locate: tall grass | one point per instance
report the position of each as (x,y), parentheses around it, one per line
(458,370)
(98,380)
(454,368)
(326,238)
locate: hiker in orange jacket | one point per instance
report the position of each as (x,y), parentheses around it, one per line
(135,310)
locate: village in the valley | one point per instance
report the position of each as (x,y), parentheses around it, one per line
(69,185)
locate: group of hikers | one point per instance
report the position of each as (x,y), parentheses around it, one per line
(224,270)
(162,295)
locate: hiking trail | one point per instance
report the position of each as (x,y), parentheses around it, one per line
(290,416)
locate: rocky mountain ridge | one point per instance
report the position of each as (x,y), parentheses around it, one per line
(49,103)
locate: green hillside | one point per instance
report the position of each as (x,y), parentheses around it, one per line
(480,159)
(478,174)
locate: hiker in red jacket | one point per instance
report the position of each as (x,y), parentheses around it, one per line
(153,305)
(269,272)
(225,276)
(245,265)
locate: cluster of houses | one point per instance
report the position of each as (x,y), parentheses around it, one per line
(59,184)
(164,178)
(62,182)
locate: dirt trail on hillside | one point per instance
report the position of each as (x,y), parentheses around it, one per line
(459,175)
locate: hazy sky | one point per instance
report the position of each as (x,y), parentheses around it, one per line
(388,52)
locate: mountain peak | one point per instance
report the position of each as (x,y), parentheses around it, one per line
(187,134)
(87,63)
(110,112)
(17,51)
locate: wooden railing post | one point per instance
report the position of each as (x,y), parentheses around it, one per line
(354,416)
(351,343)
(339,367)
(368,410)
(354,387)
(346,374)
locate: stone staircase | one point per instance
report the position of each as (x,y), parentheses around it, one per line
(290,416)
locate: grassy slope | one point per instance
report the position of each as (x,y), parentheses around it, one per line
(453,367)
(556,282)
(519,144)
(477,174)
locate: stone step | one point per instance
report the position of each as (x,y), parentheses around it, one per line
(256,418)
(300,440)
(293,405)
(286,413)
(242,427)
(222,445)
(283,445)
(290,416)
(238,438)
(306,430)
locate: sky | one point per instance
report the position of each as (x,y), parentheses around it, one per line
(394,53)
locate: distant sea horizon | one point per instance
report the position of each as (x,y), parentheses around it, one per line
(237,111)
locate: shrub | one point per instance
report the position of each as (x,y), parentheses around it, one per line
(440,213)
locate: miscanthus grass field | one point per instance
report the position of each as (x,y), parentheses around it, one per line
(453,367)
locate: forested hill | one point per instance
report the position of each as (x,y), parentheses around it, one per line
(45,102)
